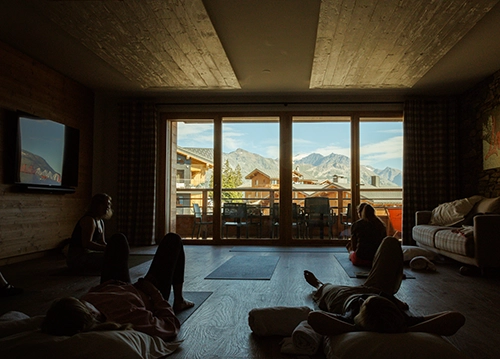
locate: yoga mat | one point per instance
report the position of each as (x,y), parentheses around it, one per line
(133,260)
(289,249)
(358,272)
(246,267)
(196,297)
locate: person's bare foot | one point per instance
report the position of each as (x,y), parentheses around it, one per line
(311,279)
(185,304)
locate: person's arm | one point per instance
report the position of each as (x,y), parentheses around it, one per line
(161,313)
(88,226)
(444,323)
(326,323)
(158,305)
(102,240)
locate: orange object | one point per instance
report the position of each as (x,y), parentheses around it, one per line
(395,216)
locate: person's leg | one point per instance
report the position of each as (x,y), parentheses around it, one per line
(115,263)
(167,270)
(386,273)
(7,289)
(359,262)
(312,280)
(445,323)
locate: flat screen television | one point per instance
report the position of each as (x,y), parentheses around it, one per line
(47,154)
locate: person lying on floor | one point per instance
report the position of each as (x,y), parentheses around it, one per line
(373,306)
(116,304)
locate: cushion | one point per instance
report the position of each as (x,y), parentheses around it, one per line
(423,264)
(32,343)
(389,346)
(410,252)
(16,322)
(450,213)
(488,205)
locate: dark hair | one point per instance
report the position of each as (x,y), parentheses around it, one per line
(69,316)
(368,214)
(95,207)
(379,314)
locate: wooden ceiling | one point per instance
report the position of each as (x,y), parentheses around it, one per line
(154,43)
(251,45)
(387,43)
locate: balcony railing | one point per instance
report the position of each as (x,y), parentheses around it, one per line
(339,200)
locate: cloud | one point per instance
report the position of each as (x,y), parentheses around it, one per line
(389,149)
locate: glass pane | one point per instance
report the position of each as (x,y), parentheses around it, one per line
(381,169)
(322,175)
(250,176)
(193,178)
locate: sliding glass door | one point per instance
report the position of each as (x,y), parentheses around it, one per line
(281,178)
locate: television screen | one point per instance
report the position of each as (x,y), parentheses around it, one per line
(47,153)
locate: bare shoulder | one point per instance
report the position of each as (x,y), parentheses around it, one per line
(87,222)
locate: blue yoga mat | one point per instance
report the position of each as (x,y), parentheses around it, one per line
(259,267)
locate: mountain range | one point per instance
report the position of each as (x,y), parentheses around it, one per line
(315,166)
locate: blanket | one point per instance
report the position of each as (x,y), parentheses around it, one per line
(276,320)
(304,341)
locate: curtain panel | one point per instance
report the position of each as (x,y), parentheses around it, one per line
(430,165)
(137,156)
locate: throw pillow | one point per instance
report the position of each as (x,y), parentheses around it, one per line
(488,205)
(450,213)
(410,252)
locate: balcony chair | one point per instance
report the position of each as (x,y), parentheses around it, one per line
(199,222)
(234,215)
(395,219)
(297,218)
(254,218)
(317,213)
(347,221)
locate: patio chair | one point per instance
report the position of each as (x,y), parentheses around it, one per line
(347,221)
(254,218)
(199,222)
(317,213)
(297,219)
(235,215)
(395,218)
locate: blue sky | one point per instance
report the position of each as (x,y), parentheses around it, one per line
(381,142)
(44,138)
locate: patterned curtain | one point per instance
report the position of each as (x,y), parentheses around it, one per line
(430,157)
(137,172)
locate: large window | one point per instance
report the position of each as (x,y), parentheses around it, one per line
(263,178)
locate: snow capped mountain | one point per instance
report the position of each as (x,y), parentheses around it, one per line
(314,166)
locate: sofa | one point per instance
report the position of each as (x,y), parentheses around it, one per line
(466,230)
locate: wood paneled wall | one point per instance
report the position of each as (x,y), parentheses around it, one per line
(32,223)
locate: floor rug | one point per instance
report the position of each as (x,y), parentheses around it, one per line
(198,298)
(133,260)
(246,267)
(289,249)
(358,272)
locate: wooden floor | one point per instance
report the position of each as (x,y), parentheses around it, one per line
(219,328)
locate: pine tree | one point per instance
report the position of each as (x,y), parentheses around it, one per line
(231,178)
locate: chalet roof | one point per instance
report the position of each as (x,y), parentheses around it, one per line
(271,174)
(200,153)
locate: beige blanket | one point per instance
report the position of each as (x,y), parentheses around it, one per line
(276,320)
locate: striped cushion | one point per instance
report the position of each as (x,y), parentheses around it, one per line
(425,233)
(454,243)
